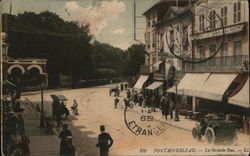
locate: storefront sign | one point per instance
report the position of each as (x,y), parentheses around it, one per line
(228,30)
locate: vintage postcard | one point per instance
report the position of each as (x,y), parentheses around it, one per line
(124,77)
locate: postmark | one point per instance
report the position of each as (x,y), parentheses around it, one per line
(178,40)
(143,121)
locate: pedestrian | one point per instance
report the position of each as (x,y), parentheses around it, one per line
(104,142)
(118,92)
(125,86)
(122,87)
(171,107)
(75,107)
(67,147)
(63,135)
(58,118)
(126,102)
(153,103)
(128,94)
(140,99)
(110,92)
(25,145)
(165,106)
(135,97)
(116,102)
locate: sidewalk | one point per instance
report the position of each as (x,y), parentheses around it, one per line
(41,143)
(188,125)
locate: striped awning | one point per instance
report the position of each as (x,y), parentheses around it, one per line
(242,97)
(142,79)
(154,85)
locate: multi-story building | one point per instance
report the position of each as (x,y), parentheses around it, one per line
(153,15)
(153,46)
(213,36)
(208,38)
(217,79)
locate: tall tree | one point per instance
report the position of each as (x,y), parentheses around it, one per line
(135,58)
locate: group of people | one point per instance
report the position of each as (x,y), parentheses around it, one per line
(15,139)
(166,106)
(133,97)
(58,109)
(105,141)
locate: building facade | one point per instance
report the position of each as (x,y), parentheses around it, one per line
(226,34)
(213,39)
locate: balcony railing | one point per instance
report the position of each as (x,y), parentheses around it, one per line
(219,64)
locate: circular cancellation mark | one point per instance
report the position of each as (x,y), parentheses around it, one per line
(214,27)
(142,121)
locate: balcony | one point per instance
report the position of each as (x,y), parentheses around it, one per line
(159,76)
(144,69)
(219,64)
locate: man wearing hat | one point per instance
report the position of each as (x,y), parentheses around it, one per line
(104,142)
(63,135)
(67,148)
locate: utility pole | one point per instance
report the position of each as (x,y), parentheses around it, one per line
(176,117)
(42,112)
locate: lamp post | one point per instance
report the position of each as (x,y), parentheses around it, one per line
(42,113)
(176,117)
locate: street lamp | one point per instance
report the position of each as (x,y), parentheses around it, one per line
(176,117)
(42,113)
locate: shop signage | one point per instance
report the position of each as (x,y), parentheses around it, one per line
(228,30)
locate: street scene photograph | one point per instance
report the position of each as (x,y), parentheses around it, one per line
(124,77)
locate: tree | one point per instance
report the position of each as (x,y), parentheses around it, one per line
(65,44)
(135,58)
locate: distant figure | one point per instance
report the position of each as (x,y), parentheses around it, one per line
(122,87)
(128,94)
(125,86)
(153,103)
(126,102)
(104,142)
(164,106)
(75,107)
(63,135)
(116,102)
(140,99)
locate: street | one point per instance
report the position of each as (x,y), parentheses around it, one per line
(96,108)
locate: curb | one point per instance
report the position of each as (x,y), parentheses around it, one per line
(45,91)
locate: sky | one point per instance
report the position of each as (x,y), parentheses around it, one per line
(111,21)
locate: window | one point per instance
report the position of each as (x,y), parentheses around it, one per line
(148,39)
(224,49)
(171,38)
(237,12)
(201,21)
(237,47)
(212,19)
(202,52)
(161,42)
(185,38)
(154,39)
(212,49)
(148,22)
(224,16)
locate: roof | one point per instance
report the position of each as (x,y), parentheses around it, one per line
(177,11)
(59,97)
(162,2)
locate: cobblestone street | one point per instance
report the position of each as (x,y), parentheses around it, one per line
(96,108)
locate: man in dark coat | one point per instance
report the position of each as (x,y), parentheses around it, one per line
(67,147)
(63,135)
(104,142)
